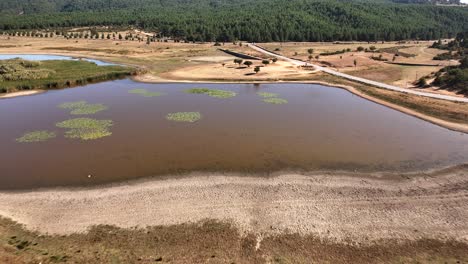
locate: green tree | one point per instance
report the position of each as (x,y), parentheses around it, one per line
(248,63)
(257,69)
(238,61)
(265,62)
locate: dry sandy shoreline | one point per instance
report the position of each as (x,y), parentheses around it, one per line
(20,93)
(334,206)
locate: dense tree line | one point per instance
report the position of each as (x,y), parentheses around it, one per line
(249,20)
(443,2)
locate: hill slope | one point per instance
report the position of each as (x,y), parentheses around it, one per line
(252,20)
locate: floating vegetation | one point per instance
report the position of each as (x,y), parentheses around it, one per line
(36,136)
(145,93)
(212,92)
(83,108)
(190,117)
(274,100)
(72,105)
(267,95)
(86,128)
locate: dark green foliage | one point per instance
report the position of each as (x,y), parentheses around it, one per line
(455,77)
(379,58)
(464,62)
(334,52)
(238,61)
(422,82)
(445,56)
(250,20)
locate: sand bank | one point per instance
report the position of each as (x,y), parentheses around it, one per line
(20,93)
(335,206)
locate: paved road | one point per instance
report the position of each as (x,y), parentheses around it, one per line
(361,80)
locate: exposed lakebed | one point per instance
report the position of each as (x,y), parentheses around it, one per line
(123,130)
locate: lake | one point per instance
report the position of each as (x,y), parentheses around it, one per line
(43,57)
(320,128)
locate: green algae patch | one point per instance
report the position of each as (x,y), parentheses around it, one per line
(83,108)
(267,95)
(36,136)
(190,117)
(275,100)
(72,105)
(145,93)
(86,128)
(212,92)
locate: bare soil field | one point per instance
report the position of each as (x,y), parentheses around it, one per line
(413,53)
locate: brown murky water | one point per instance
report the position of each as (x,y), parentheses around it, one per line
(321,128)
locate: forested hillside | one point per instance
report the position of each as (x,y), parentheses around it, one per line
(251,20)
(455,77)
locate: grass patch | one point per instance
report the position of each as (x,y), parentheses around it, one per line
(86,128)
(190,117)
(145,93)
(274,100)
(267,95)
(83,108)
(212,92)
(36,136)
(17,75)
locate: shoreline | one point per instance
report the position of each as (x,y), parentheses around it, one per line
(326,205)
(21,93)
